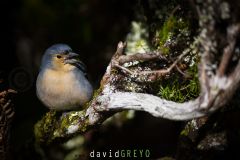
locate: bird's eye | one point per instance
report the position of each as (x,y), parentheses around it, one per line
(58,56)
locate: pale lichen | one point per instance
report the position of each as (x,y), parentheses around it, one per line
(72,129)
(137,39)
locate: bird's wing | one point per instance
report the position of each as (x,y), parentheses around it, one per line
(81,66)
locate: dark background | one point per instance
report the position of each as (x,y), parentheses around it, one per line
(92,28)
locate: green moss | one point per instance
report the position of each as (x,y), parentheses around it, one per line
(172,91)
(185,132)
(180,89)
(193,87)
(45,126)
(97,92)
(51,127)
(72,118)
(169,32)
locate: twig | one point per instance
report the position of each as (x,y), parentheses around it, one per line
(140,57)
(174,10)
(180,71)
(119,51)
(123,68)
(232,34)
(165,71)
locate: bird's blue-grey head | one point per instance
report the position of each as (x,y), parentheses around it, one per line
(61,57)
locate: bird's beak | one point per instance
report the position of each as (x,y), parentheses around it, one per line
(71,55)
(73,59)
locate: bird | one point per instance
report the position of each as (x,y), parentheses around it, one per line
(62,82)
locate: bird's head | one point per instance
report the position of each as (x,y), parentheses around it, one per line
(61,57)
